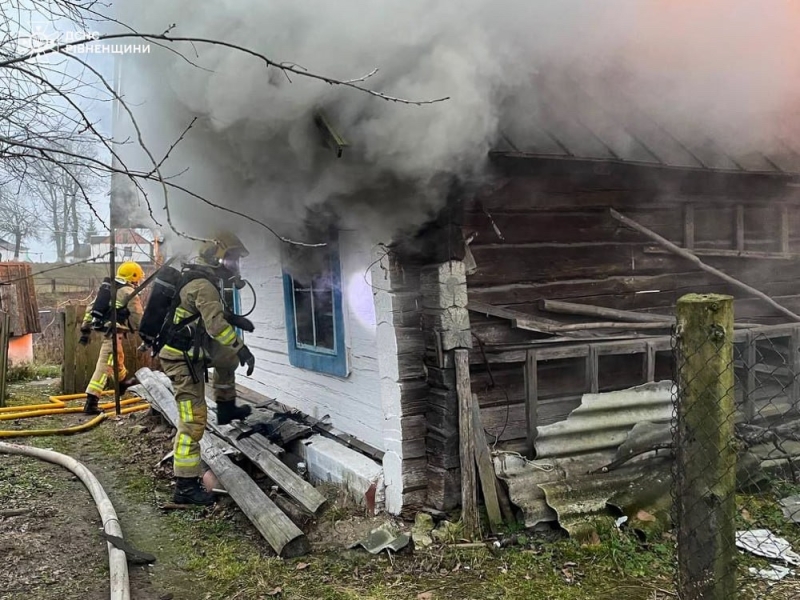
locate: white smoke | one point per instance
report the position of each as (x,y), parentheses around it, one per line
(727,69)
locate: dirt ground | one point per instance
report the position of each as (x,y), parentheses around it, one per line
(55,551)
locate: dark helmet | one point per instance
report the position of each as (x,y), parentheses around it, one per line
(224,250)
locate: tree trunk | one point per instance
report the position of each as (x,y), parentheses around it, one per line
(75,234)
(17,243)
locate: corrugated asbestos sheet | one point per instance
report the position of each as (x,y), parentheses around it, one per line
(560,486)
(602,421)
(566,120)
(18,297)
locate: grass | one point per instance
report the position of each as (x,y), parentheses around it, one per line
(31,372)
(216,556)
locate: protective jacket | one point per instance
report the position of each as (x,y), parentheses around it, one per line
(201,308)
(129,319)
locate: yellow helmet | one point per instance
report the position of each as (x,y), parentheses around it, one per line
(224,250)
(131,272)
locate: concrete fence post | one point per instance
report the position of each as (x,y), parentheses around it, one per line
(705,454)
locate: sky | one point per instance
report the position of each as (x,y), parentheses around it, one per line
(100,113)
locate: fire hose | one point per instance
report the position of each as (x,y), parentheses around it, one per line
(117,560)
(58,406)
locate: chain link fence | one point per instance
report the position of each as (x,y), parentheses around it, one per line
(736,440)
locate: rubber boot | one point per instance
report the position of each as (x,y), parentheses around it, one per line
(228,411)
(90,407)
(189,491)
(126,383)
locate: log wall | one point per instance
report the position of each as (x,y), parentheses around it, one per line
(530,244)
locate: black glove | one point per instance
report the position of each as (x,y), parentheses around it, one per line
(86,331)
(240,322)
(246,358)
(84,339)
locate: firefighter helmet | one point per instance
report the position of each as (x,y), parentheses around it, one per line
(224,250)
(130,272)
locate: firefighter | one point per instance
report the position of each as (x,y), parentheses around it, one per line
(129,314)
(203,334)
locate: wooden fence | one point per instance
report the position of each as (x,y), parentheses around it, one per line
(5,333)
(79,361)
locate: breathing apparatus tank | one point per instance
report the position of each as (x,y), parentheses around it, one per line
(102,304)
(160,306)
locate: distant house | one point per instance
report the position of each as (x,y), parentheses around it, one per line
(7,249)
(79,253)
(130,245)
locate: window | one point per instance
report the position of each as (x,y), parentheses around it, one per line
(312,290)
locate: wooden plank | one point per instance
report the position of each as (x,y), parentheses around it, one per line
(469,491)
(254,448)
(688,225)
(795,362)
(592,376)
(518,319)
(785,230)
(531,399)
(694,259)
(750,360)
(5,331)
(650,363)
(725,253)
(280,532)
(572,308)
(611,325)
(485,469)
(69,317)
(740,228)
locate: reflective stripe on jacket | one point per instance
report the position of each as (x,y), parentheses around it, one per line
(202,297)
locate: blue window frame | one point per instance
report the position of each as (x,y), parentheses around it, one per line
(312,291)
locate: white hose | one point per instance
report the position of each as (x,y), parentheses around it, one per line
(117,561)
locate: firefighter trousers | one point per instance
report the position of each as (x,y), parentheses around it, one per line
(192,410)
(104,371)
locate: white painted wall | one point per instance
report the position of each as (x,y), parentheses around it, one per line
(352,403)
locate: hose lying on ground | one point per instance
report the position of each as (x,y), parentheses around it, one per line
(58,406)
(117,561)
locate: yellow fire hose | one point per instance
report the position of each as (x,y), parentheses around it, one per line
(58,406)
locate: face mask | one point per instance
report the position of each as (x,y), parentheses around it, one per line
(231,264)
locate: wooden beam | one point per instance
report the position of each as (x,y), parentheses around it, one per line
(280,532)
(531,399)
(5,331)
(794,356)
(750,360)
(70,321)
(272,466)
(723,253)
(588,310)
(700,264)
(469,490)
(518,319)
(592,374)
(650,362)
(485,469)
(785,248)
(740,228)
(688,225)
(612,325)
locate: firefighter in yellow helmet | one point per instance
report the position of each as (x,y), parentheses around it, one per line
(129,314)
(204,335)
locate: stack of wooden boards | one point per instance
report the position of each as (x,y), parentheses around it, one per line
(220,443)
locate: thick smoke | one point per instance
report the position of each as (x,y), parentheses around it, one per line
(725,70)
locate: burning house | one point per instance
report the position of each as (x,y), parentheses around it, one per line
(546,227)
